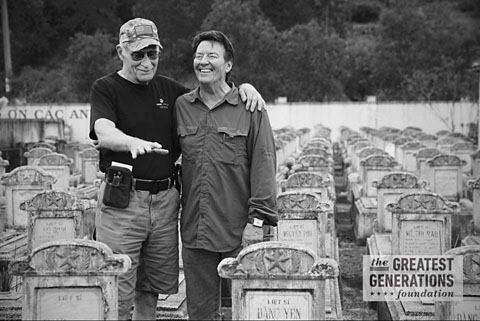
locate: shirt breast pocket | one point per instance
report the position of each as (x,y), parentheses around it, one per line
(232,148)
(189,141)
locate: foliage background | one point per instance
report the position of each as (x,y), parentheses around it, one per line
(308,50)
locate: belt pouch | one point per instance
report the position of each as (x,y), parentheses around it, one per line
(118,185)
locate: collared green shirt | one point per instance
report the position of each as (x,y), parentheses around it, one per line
(228,170)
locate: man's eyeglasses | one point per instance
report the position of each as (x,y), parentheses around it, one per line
(139,55)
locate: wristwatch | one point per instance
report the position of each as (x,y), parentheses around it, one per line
(255,222)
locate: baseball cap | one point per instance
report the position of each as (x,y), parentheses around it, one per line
(139,33)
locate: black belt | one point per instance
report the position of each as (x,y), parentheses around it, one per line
(154,186)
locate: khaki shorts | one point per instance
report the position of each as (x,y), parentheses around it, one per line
(147,231)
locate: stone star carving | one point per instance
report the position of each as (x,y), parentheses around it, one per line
(277,260)
(67,259)
(55,200)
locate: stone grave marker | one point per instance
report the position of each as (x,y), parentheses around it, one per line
(310,182)
(427,140)
(52,147)
(278,281)
(23,183)
(464,150)
(313,163)
(445,176)
(422,224)
(409,161)
(469,307)
(302,221)
(90,160)
(444,144)
(422,155)
(374,167)
(475,163)
(33,155)
(362,154)
(389,189)
(386,141)
(399,141)
(54,215)
(71,280)
(58,165)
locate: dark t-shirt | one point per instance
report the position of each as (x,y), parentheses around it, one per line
(142,111)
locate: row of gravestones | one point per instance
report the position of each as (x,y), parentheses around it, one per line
(369,164)
(408,220)
(80,165)
(306,209)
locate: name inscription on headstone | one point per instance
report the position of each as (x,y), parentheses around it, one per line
(468,309)
(80,303)
(50,229)
(275,305)
(421,237)
(302,232)
(446,182)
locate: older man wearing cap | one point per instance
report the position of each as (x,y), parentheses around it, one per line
(133,127)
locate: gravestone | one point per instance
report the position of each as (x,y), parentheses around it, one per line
(310,182)
(302,221)
(469,307)
(421,156)
(389,189)
(422,224)
(444,144)
(464,150)
(374,167)
(278,281)
(23,183)
(386,141)
(71,280)
(445,176)
(53,215)
(90,159)
(409,161)
(427,140)
(475,162)
(43,145)
(399,141)
(33,155)
(314,163)
(362,154)
(58,165)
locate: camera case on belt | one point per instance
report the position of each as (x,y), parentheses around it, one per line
(118,185)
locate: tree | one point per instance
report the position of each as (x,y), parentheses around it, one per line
(255,42)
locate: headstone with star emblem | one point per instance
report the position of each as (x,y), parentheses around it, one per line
(444,176)
(421,224)
(71,280)
(58,165)
(21,184)
(464,150)
(469,307)
(313,182)
(54,215)
(279,281)
(33,155)
(389,189)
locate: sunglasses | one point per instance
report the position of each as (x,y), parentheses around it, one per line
(139,55)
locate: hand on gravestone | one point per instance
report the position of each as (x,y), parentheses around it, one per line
(251,235)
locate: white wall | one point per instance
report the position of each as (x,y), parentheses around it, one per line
(375,115)
(298,115)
